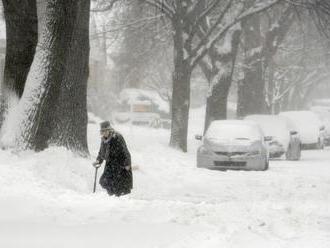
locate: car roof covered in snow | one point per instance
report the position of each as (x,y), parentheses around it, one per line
(233,129)
(274,125)
(303,117)
(269,123)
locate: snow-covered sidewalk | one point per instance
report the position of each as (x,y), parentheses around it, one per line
(46,200)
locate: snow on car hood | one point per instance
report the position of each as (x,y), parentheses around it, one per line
(231,145)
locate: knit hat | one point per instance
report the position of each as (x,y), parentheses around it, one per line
(105,126)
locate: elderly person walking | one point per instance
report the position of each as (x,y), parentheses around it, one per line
(117,177)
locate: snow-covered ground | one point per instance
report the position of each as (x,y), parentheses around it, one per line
(46,199)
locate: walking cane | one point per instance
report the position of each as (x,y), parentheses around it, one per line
(95,178)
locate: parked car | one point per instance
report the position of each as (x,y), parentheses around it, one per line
(233,144)
(142,107)
(323,112)
(309,126)
(285,137)
(138,113)
(325,102)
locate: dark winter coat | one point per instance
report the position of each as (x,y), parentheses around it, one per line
(115,179)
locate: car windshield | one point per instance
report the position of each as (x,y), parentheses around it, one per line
(233,131)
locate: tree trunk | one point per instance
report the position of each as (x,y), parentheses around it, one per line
(216,105)
(181,92)
(53,105)
(180,106)
(21,41)
(251,98)
(259,52)
(71,112)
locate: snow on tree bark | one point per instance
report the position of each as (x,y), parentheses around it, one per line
(274,37)
(186,17)
(220,77)
(53,107)
(251,92)
(256,87)
(181,90)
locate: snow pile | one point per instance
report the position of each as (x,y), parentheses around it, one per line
(54,170)
(7,133)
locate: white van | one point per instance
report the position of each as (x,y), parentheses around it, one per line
(138,113)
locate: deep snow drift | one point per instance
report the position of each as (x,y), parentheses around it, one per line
(46,199)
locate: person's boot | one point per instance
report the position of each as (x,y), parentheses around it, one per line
(110,193)
(125,192)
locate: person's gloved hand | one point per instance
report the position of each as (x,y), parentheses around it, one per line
(96,164)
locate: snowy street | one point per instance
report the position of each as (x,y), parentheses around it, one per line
(46,200)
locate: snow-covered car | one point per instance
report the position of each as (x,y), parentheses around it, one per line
(233,144)
(138,113)
(285,137)
(325,102)
(323,113)
(141,107)
(309,126)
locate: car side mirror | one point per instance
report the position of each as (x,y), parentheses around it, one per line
(292,133)
(322,128)
(198,137)
(268,138)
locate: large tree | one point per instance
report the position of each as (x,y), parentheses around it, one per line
(218,67)
(52,109)
(190,47)
(260,45)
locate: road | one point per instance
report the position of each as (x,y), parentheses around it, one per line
(46,201)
